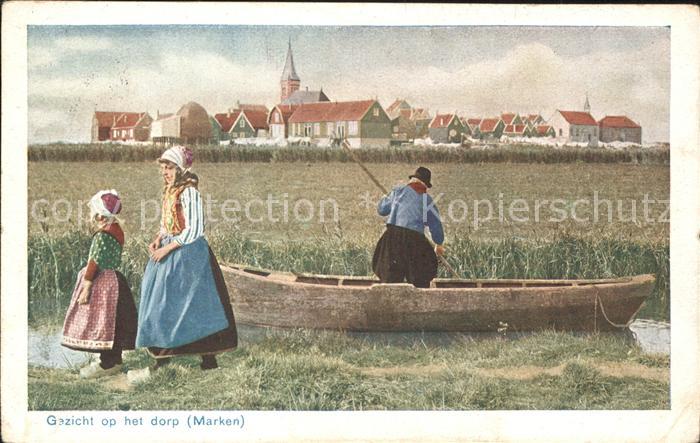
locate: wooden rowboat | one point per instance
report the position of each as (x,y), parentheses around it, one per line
(282,299)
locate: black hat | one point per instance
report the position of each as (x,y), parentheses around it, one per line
(422,174)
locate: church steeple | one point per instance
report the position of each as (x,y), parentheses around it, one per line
(290,81)
(587,106)
(289,73)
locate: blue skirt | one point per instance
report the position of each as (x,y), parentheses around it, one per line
(180,302)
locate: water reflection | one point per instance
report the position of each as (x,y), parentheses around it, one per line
(45,350)
(654,337)
(45,347)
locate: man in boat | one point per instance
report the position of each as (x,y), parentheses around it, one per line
(403,252)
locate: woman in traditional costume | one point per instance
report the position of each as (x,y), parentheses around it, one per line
(185,307)
(403,252)
(101,316)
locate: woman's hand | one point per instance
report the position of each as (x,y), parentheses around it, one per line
(439,250)
(84,296)
(155,244)
(160,253)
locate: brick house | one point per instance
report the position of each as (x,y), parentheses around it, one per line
(131,126)
(619,128)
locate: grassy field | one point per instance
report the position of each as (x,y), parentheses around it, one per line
(253,183)
(302,370)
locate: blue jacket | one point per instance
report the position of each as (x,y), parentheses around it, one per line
(409,209)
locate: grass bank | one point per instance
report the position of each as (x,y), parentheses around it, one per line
(54,262)
(303,370)
(215,154)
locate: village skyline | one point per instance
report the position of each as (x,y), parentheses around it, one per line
(74,71)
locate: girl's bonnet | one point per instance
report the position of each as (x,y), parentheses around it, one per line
(179,155)
(105,203)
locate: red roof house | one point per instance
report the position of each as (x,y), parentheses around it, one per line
(575,126)
(131,125)
(227,119)
(398,105)
(331,111)
(257,118)
(101,124)
(545,131)
(619,128)
(515,130)
(578,118)
(535,119)
(447,128)
(617,121)
(278,120)
(249,124)
(511,119)
(360,122)
(491,127)
(442,120)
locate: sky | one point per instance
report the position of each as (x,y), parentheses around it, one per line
(478,71)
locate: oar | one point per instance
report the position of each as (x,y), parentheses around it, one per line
(346,146)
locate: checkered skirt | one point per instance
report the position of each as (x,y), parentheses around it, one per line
(94,326)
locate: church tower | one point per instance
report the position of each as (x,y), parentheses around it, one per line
(587,106)
(290,80)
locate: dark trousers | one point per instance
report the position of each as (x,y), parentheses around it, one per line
(400,275)
(402,255)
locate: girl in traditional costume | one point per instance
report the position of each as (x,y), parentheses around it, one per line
(185,307)
(101,316)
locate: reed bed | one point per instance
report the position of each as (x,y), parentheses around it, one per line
(55,260)
(222,154)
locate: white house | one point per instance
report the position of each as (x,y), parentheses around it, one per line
(165,126)
(575,127)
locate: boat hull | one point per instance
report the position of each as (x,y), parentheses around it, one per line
(355,304)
